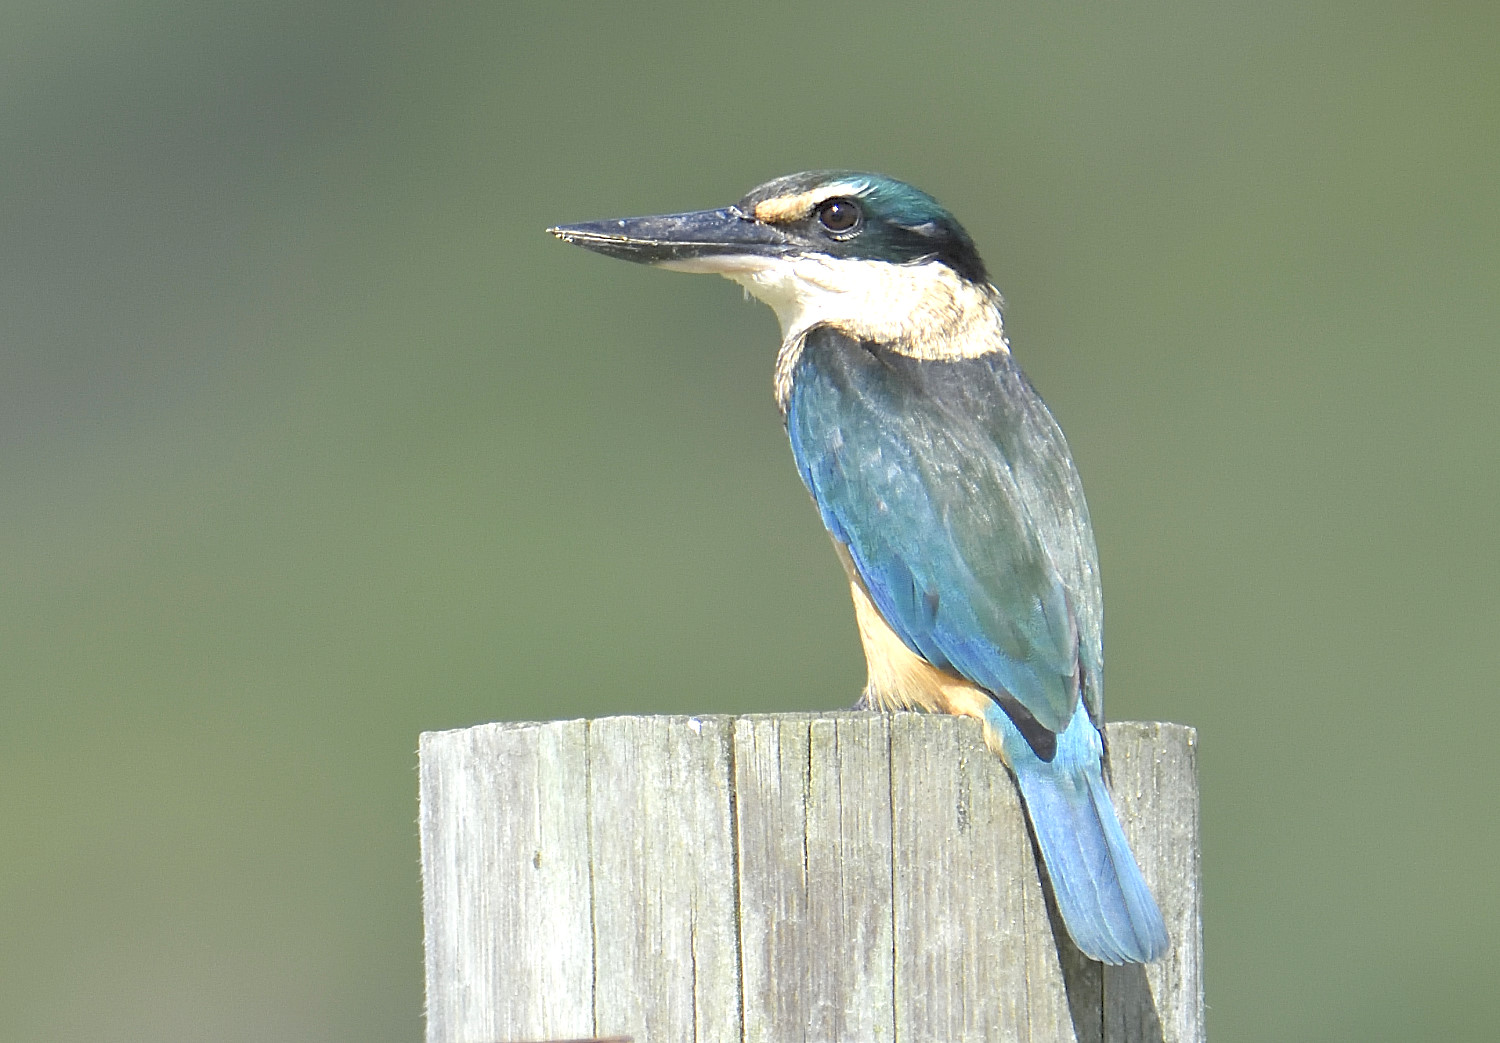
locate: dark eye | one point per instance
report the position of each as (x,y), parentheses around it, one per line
(839,216)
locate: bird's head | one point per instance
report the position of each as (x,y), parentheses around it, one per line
(864,252)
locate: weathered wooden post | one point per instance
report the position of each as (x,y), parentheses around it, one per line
(851,877)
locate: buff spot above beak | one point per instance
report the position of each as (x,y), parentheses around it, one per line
(796,206)
(786,208)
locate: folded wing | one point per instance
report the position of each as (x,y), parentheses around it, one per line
(952,488)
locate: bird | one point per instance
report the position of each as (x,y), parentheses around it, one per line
(948,489)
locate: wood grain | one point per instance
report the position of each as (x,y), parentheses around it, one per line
(847,877)
(666,963)
(1154,781)
(813,799)
(975,960)
(505,883)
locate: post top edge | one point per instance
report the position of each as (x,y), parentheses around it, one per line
(1184,732)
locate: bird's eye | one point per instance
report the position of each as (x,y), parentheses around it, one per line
(840,216)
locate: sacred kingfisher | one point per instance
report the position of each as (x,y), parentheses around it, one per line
(948,489)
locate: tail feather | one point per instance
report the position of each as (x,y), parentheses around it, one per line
(1104,902)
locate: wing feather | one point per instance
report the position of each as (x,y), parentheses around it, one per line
(953,489)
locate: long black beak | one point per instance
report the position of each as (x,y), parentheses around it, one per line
(678,237)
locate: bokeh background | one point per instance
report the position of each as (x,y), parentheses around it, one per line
(311,440)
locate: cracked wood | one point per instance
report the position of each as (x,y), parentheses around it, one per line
(795,877)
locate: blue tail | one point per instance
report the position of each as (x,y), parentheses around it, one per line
(1106,905)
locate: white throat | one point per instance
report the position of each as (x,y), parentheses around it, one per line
(924,310)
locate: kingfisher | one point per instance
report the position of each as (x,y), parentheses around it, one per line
(948,489)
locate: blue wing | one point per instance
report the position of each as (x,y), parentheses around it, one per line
(954,492)
(953,489)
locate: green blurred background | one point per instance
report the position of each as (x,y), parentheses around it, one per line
(311,439)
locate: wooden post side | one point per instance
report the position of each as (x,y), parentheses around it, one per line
(821,878)
(813,812)
(1154,779)
(505,883)
(975,959)
(666,964)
